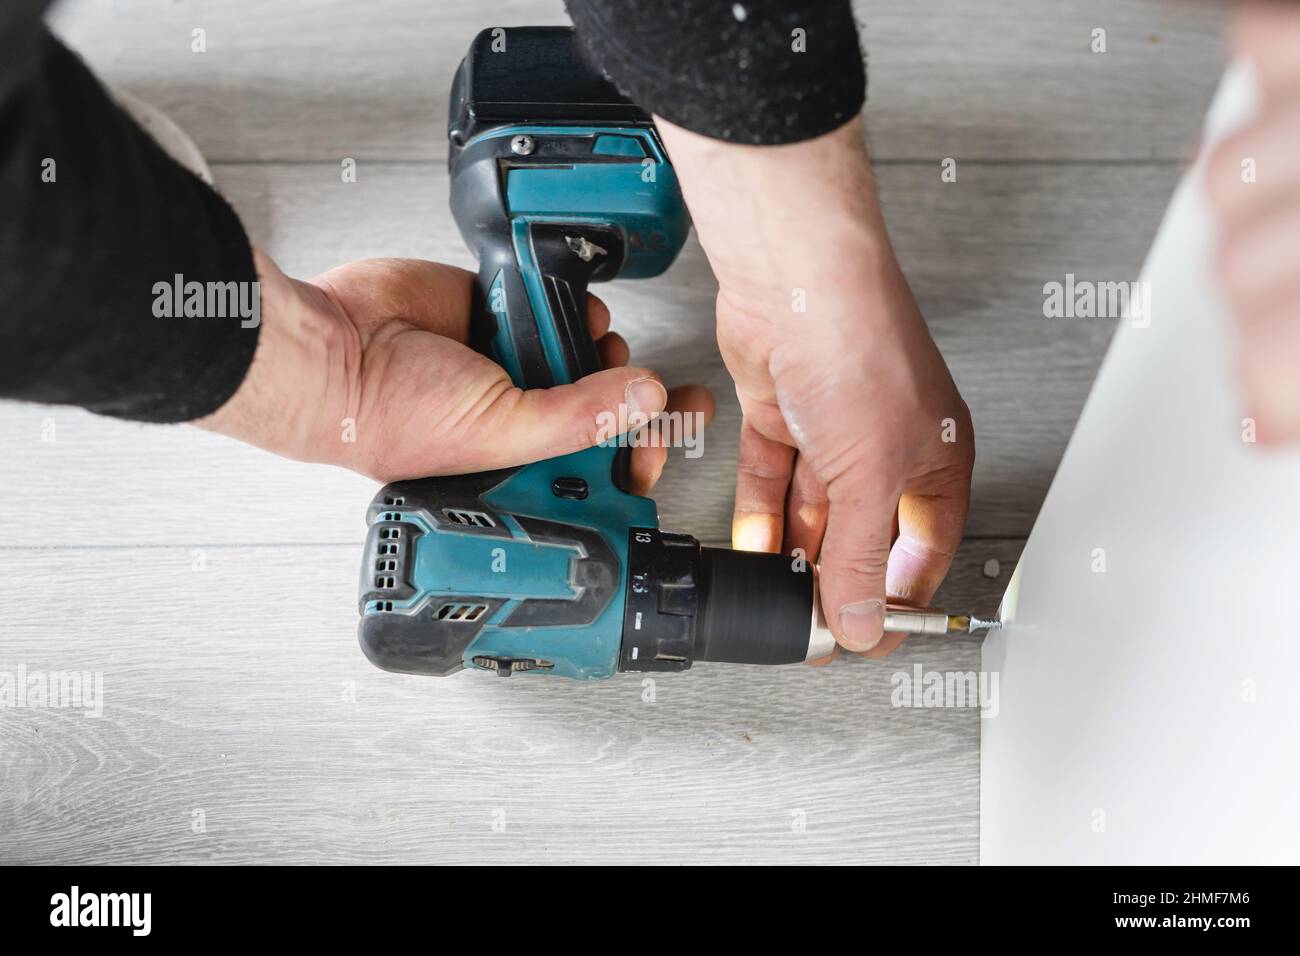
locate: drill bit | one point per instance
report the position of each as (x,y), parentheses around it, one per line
(970,624)
(920,620)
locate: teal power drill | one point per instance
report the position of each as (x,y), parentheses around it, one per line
(558,181)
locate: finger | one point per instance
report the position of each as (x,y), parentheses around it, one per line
(513,426)
(427,295)
(1250,174)
(1270,370)
(695,407)
(613,350)
(823,661)
(1268,33)
(1259,265)
(806,510)
(597,317)
(690,408)
(854,560)
(932,516)
(763,471)
(891,642)
(646,467)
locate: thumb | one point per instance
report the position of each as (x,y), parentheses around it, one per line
(854,561)
(931,518)
(521,426)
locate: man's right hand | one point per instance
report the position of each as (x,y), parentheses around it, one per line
(856,447)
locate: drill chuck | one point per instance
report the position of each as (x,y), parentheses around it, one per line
(689,603)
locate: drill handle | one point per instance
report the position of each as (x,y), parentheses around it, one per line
(530,313)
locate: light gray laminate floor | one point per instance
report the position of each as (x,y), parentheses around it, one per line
(214,586)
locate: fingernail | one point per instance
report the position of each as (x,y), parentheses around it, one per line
(863,624)
(646,396)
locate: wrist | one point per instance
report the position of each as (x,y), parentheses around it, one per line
(774,219)
(298,382)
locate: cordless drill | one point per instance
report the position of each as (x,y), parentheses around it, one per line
(558,181)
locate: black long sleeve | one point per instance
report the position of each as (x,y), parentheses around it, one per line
(93,215)
(754,71)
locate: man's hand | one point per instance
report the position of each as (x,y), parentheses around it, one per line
(366,366)
(1253,179)
(856,446)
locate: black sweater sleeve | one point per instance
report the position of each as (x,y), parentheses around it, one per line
(94,215)
(753,71)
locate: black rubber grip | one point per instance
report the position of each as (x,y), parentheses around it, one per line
(570,257)
(754,608)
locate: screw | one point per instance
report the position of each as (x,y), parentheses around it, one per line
(522,145)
